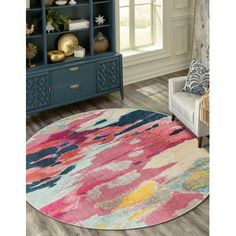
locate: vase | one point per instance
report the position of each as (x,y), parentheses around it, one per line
(49,3)
(101,43)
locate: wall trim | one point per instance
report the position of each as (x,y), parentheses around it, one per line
(146,57)
(151,64)
(131,76)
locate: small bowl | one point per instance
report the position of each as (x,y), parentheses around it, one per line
(61,2)
(56,56)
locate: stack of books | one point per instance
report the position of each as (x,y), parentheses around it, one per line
(78,24)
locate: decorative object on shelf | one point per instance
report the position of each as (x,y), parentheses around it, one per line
(101,43)
(61,2)
(59,21)
(68,43)
(31,52)
(56,56)
(30,30)
(100,20)
(79,52)
(49,3)
(27,4)
(72,2)
(49,27)
(78,24)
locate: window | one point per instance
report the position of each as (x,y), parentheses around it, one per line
(141,24)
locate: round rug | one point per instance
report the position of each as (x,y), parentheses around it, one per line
(115,169)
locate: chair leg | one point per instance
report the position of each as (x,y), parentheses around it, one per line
(200,141)
(172,117)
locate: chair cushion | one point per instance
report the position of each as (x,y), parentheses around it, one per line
(197,81)
(184,103)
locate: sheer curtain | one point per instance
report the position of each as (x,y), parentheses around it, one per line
(201,32)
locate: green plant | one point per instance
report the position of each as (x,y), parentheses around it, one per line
(58,19)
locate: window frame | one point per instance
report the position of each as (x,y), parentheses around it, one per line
(132,26)
(139,57)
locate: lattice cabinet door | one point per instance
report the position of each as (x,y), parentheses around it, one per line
(108,75)
(37,91)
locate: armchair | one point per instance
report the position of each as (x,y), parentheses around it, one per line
(186,107)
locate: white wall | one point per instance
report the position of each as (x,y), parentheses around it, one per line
(176,53)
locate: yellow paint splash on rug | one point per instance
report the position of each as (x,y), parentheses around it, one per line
(142,194)
(140,214)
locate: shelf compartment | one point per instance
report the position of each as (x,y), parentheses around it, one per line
(102,10)
(83,39)
(35,18)
(108,33)
(38,60)
(35,5)
(73,13)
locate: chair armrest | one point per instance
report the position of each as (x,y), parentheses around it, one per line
(175,84)
(201,129)
(197,108)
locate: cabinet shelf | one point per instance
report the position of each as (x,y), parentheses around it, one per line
(35,9)
(71,59)
(38,64)
(68,6)
(34,36)
(67,31)
(101,26)
(101,2)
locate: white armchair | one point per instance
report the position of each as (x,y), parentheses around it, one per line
(186,107)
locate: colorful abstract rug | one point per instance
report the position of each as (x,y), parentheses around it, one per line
(115,169)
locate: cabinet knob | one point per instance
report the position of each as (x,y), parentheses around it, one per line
(73,69)
(74,86)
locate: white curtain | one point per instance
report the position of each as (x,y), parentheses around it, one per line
(201,32)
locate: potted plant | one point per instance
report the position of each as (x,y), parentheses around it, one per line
(59,21)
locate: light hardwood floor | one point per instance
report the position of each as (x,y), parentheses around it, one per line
(151,95)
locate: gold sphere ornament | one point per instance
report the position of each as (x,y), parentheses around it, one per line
(31,52)
(68,43)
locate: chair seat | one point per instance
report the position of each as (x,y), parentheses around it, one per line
(184,103)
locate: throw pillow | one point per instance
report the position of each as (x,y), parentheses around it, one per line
(197,81)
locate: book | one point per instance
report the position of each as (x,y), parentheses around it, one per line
(78,27)
(79,23)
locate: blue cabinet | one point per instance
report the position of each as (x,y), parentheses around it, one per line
(73,82)
(99,72)
(37,91)
(108,75)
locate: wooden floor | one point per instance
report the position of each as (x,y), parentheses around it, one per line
(149,95)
